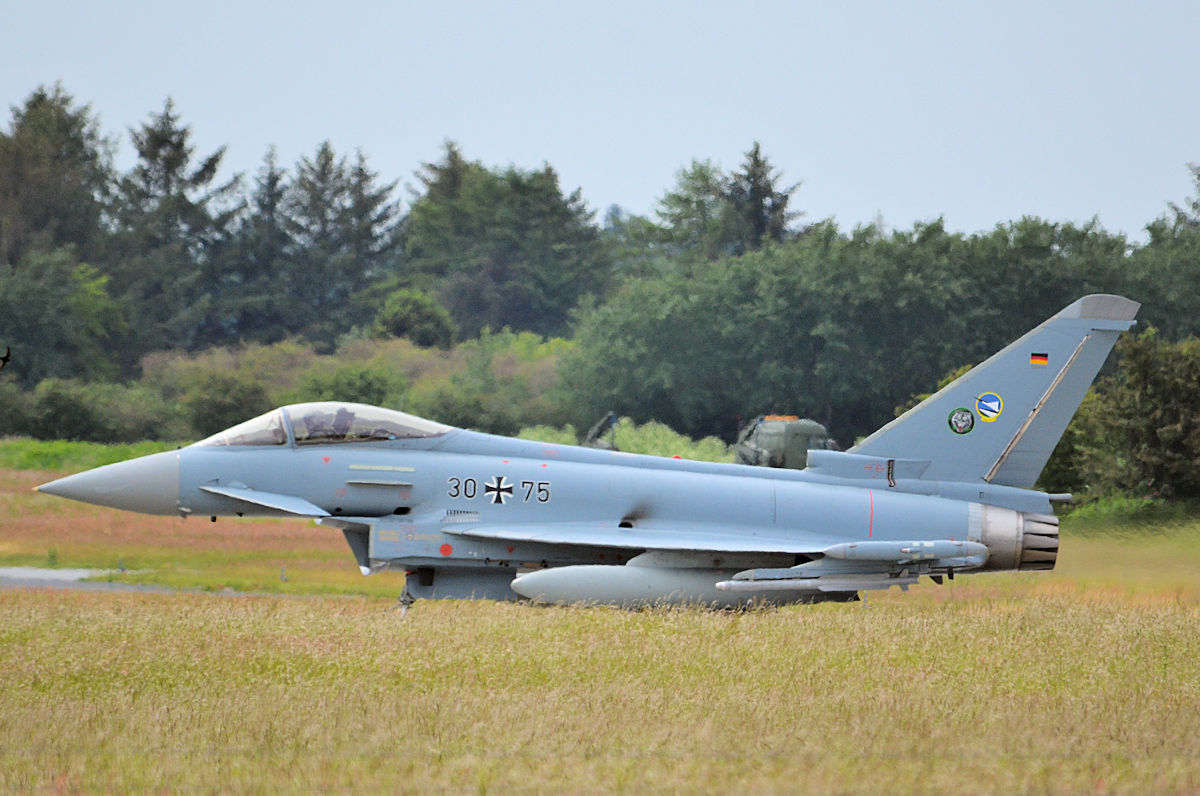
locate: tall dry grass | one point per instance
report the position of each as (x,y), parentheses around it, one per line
(1084,679)
(1021,687)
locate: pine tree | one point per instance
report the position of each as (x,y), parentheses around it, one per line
(502,248)
(343,224)
(175,224)
(55,174)
(760,207)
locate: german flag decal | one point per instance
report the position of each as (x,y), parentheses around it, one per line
(1039,359)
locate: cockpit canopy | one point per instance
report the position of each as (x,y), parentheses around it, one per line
(327,423)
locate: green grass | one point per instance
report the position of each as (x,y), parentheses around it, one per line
(271,572)
(29,454)
(1123,512)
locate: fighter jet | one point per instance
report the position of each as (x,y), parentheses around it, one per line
(945,489)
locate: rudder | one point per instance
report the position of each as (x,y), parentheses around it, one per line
(1000,421)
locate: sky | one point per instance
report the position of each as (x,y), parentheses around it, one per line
(900,112)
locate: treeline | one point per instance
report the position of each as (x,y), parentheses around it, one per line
(101,268)
(843,327)
(724,303)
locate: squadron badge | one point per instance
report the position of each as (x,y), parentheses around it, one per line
(989,406)
(961,421)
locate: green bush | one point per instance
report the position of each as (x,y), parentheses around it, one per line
(351,381)
(73,410)
(277,367)
(1137,431)
(654,439)
(215,401)
(448,402)
(657,439)
(557,436)
(505,381)
(415,316)
(65,409)
(15,411)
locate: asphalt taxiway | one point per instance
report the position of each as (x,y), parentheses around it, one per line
(42,578)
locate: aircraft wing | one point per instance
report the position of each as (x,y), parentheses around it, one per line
(286,504)
(653,536)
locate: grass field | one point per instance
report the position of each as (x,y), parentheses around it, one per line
(1086,679)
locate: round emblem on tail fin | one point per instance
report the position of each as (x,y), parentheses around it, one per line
(961,420)
(989,406)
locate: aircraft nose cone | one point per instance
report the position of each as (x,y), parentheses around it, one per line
(149,484)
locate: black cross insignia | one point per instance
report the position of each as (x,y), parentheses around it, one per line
(498,489)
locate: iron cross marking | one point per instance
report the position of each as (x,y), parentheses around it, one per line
(498,489)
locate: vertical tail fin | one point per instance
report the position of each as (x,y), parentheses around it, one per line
(1000,421)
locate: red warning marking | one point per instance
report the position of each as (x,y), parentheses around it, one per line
(871,521)
(510,549)
(325,459)
(446,549)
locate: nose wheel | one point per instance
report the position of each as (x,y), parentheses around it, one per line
(405,600)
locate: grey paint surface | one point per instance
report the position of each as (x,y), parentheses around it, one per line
(466,513)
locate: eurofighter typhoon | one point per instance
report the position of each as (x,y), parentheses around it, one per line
(943,490)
